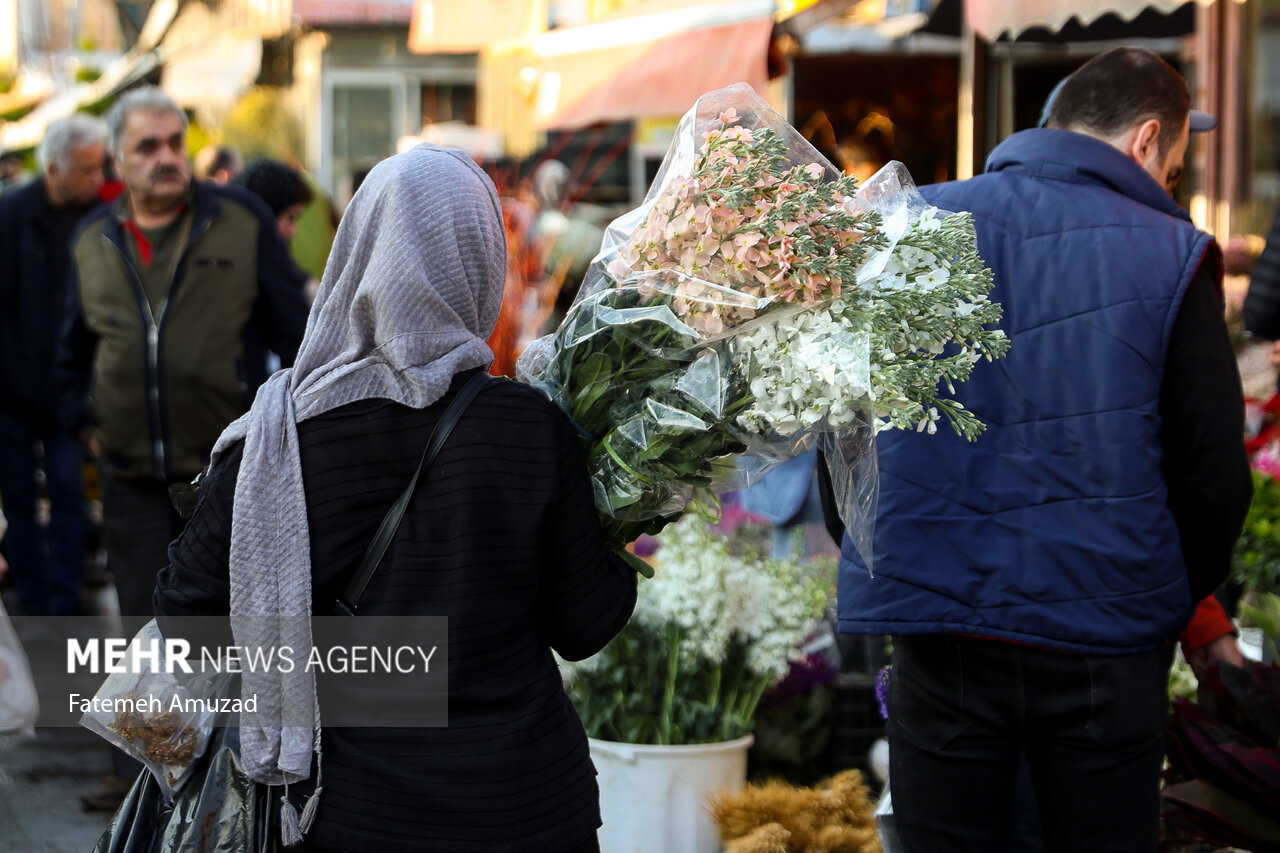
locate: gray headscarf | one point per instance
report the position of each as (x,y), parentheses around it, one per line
(411,290)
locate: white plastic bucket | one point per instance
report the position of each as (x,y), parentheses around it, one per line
(653,799)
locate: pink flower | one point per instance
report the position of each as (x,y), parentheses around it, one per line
(707,324)
(729,116)
(1267,460)
(743,243)
(619,269)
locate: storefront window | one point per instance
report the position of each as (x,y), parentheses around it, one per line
(362,133)
(1263,179)
(442,102)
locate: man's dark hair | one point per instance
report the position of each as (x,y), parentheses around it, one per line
(1121,88)
(278,184)
(213,159)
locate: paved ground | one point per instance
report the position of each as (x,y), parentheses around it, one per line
(40,785)
(41,778)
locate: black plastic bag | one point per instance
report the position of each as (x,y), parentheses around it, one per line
(218,810)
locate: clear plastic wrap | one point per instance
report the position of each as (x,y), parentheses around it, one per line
(755,301)
(19,704)
(161,718)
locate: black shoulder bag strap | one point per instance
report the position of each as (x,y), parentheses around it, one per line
(347,602)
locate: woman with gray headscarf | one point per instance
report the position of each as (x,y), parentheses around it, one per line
(501,538)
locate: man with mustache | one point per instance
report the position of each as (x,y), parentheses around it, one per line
(179,291)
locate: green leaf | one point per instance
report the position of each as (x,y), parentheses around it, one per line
(1207,812)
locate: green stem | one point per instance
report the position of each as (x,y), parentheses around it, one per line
(641,566)
(669,689)
(747,710)
(714,696)
(608,447)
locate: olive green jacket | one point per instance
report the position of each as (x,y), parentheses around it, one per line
(161,386)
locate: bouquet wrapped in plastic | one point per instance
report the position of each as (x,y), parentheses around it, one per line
(755,301)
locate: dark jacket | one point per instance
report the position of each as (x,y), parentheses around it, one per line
(35,261)
(163,388)
(503,539)
(1262,302)
(1056,527)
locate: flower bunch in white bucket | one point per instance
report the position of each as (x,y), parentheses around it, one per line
(715,628)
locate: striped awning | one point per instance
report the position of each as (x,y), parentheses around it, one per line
(654,60)
(994,18)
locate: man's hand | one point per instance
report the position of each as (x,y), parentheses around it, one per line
(1273,357)
(1224,649)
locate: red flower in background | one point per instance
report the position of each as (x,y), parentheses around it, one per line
(1261,426)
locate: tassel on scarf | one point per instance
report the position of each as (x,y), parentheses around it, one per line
(313,802)
(309,811)
(290,831)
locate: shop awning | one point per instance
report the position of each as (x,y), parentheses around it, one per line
(329,13)
(653,60)
(137,63)
(865,26)
(994,18)
(215,74)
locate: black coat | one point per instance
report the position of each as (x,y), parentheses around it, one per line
(503,539)
(35,260)
(1262,302)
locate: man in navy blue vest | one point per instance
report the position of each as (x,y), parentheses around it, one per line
(1035,580)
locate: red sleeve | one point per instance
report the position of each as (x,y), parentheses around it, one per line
(1208,623)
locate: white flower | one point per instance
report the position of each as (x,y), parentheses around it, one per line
(933,278)
(718,597)
(932,291)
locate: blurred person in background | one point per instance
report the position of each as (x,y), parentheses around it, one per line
(565,242)
(36,224)
(283,189)
(112,184)
(514,329)
(218,164)
(1262,301)
(286,193)
(12,172)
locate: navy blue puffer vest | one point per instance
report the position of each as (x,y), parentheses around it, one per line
(1052,529)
